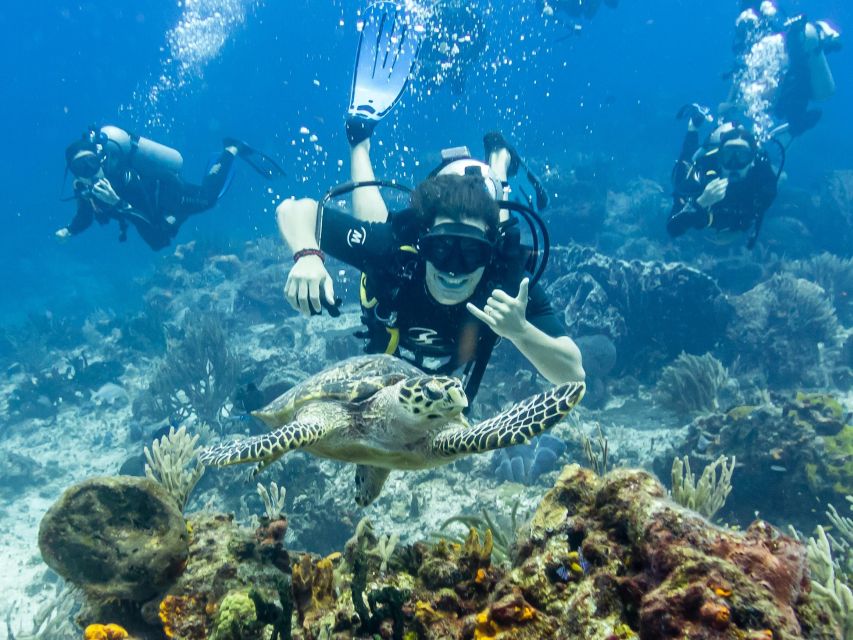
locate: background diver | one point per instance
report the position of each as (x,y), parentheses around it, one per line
(443,278)
(727,184)
(133,180)
(781,67)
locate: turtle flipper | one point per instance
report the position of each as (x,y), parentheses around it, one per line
(305,430)
(516,425)
(368,483)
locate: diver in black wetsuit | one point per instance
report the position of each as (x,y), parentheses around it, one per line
(133,180)
(439,279)
(727,184)
(766,39)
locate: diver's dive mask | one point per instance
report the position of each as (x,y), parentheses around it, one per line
(85,164)
(84,157)
(736,155)
(456,247)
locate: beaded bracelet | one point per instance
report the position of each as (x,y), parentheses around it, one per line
(309,252)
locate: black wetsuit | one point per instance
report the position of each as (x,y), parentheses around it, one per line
(400,315)
(147,201)
(745,202)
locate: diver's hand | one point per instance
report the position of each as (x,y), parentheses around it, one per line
(505,315)
(713,193)
(63,234)
(104,192)
(304,283)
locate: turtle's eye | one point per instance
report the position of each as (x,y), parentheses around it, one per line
(433,392)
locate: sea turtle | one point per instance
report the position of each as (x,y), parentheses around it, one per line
(383,413)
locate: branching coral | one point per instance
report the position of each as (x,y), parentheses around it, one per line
(198,374)
(273,500)
(828,581)
(692,383)
(708,495)
(167,463)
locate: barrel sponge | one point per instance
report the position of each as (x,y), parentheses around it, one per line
(115,538)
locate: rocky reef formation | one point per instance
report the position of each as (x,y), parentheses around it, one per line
(602,558)
(651,311)
(784,328)
(793,452)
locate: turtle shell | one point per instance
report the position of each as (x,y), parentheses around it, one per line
(353,380)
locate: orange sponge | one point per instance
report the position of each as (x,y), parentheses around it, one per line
(104,632)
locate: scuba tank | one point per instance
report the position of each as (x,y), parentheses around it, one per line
(146,156)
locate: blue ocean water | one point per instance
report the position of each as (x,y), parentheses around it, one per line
(610,92)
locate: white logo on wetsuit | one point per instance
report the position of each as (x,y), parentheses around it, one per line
(424,336)
(356,236)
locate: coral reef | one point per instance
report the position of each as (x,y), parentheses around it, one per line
(602,557)
(835,276)
(660,569)
(116,538)
(779,330)
(197,376)
(691,384)
(651,311)
(527,462)
(229,583)
(792,452)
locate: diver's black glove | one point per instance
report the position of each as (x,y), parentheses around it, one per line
(697,113)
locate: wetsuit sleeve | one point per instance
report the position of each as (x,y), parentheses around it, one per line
(682,169)
(685,213)
(359,244)
(541,314)
(83,218)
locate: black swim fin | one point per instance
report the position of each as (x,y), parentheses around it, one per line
(260,162)
(493,141)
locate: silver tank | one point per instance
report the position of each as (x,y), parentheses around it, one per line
(145,156)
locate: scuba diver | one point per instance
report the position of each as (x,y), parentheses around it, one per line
(781,67)
(727,184)
(443,279)
(133,180)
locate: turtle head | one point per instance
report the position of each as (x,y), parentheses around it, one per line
(432,397)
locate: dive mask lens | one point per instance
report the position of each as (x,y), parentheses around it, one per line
(735,157)
(461,249)
(85,164)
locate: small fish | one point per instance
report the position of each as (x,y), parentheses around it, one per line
(778,469)
(584,565)
(563,573)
